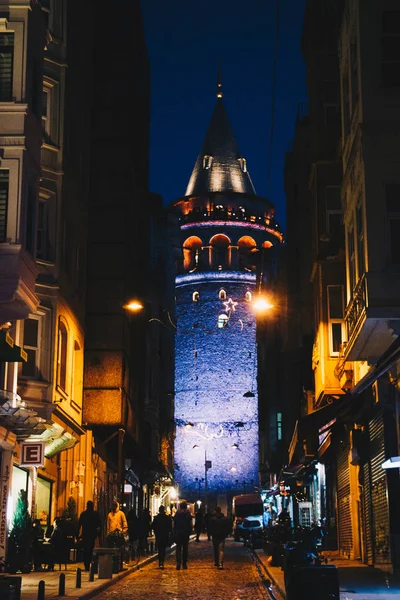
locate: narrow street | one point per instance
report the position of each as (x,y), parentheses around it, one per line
(239,579)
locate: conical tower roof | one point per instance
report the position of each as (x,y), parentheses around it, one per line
(220,167)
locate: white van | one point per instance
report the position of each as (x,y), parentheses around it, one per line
(247,512)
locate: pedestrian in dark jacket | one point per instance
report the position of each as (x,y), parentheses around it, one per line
(162,527)
(220,527)
(198,524)
(89,528)
(182,531)
(144,530)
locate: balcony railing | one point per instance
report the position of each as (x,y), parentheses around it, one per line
(226,215)
(356,307)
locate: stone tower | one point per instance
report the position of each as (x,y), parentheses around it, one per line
(224,228)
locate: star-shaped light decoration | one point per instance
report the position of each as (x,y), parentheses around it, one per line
(230,305)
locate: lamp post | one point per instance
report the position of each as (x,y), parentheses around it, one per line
(207,466)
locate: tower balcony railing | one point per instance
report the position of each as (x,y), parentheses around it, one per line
(227,215)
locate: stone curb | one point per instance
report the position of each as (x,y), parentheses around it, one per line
(282,592)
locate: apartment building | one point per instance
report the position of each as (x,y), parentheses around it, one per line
(350,432)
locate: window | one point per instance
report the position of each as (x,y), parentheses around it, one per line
(196,296)
(6,66)
(191,253)
(222,320)
(243,164)
(4,178)
(390,65)
(220,251)
(62,355)
(56,18)
(279,425)
(351,260)
(248,297)
(31,220)
(222,295)
(360,240)
(77,377)
(392,194)
(336,318)
(334,225)
(207,162)
(31,347)
(44,247)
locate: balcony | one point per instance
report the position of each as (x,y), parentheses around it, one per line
(371,316)
(17,283)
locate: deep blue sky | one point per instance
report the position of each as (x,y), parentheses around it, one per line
(185,38)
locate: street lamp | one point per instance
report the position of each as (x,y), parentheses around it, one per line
(262,304)
(134,306)
(207,466)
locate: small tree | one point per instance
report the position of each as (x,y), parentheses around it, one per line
(71,520)
(70,511)
(21,536)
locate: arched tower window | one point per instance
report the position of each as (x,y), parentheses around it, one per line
(222,295)
(207,162)
(243,164)
(248,297)
(191,253)
(196,296)
(222,320)
(220,256)
(62,355)
(246,245)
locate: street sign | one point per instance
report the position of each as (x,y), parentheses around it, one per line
(32,454)
(208,464)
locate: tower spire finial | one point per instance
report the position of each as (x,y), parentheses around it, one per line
(219,82)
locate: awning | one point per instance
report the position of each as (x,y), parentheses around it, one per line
(9,351)
(55,438)
(23,417)
(307,433)
(322,419)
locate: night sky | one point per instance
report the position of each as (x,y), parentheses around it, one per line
(185,39)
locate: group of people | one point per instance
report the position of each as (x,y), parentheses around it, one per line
(166,529)
(180,527)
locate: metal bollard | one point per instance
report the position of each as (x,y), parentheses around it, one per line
(41,590)
(91,572)
(78,578)
(151,547)
(61,585)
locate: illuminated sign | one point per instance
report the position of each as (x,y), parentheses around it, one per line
(32,454)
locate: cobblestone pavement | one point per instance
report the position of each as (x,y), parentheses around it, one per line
(239,580)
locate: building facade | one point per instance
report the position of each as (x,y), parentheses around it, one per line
(350,431)
(80,378)
(224,225)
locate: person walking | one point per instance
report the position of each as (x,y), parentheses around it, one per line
(117,526)
(182,531)
(198,524)
(144,530)
(89,528)
(220,528)
(162,527)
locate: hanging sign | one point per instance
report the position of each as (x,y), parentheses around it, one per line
(32,454)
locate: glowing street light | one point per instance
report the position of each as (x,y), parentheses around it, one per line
(134,306)
(262,304)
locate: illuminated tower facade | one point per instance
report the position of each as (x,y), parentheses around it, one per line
(224,227)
